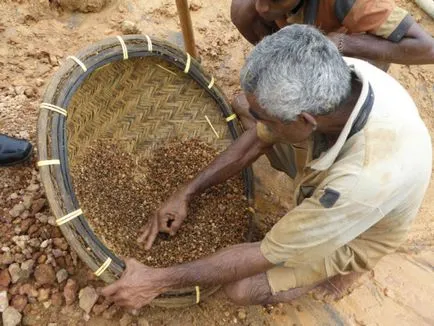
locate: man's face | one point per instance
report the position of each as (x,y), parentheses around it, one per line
(271,10)
(288,133)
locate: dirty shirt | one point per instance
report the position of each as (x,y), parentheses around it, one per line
(355,201)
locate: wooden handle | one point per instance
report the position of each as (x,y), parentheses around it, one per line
(187,27)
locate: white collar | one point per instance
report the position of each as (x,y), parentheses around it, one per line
(327,158)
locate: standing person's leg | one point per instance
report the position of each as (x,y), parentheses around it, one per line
(14,151)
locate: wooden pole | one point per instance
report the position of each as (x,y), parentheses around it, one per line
(186,26)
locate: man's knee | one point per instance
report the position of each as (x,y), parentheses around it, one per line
(236,293)
(249,291)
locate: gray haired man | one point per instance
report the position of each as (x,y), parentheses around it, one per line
(351,138)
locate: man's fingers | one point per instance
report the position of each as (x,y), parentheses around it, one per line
(152,235)
(146,229)
(111,289)
(176,224)
(163,227)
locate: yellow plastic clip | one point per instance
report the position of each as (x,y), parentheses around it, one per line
(124,47)
(211,83)
(187,64)
(103,267)
(149,43)
(69,217)
(78,61)
(231,117)
(53,107)
(48,162)
(197,294)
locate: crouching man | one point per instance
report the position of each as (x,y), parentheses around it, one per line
(351,138)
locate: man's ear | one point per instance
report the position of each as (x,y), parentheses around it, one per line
(308,118)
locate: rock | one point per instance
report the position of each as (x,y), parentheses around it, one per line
(110,312)
(44,274)
(128,27)
(13,196)
(17,210)
(38,205)
(27,201)
(42,218)
(11,317)
(46,304)
(242,315)
(87,298)
(52,220)
(45,243)
(52,324)
(98,309)
(19,258)
(57,299)
(5,279)
(33,229)
(7,258)
(57,253)
(34,242)
(60,243)
(33,187)
(70,291)
(19,302)
(29,290)
(142,322)
(30,92)
(82,5)
(43,294)
(21,240)
(194,6)
(61,275)
(15,272)
(27,269)
(25,224)
(126,320)
(25,214)
(42,259)
(4,302)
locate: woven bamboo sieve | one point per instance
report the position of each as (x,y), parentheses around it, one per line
(141,92)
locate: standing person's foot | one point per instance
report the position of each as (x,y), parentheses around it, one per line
(240,106)
(14,151)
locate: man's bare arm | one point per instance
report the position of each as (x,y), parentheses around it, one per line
(140,284)
(248,22)
(227,265)
(417,47)
(243,152)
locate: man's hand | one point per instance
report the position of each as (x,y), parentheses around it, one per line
(168,219)
(137,287)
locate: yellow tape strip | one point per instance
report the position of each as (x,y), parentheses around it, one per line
(103,267)
(197,294)
(48,162)
(187,64)
(54,108)
(149,43)
(77,61)
(211,83)
(124,47)
(231,117)
(212,127)
(69,217)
